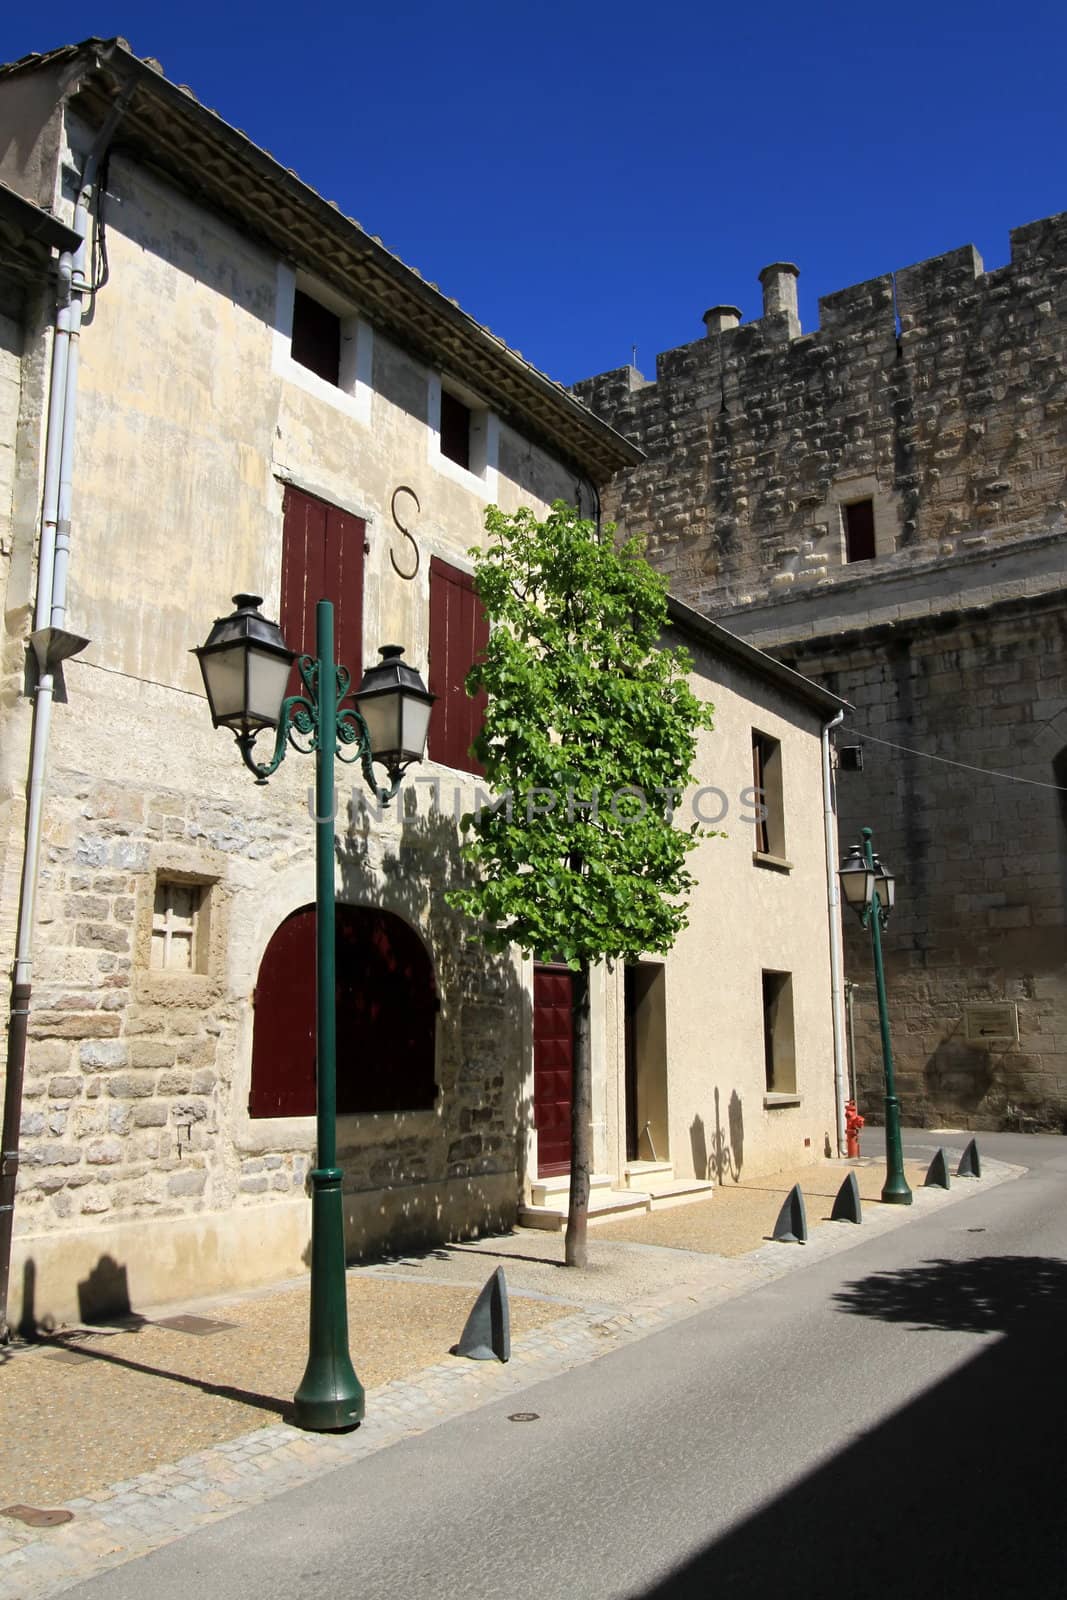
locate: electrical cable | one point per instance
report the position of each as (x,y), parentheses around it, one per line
(928,755)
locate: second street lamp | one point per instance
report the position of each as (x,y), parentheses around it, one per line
(246,664)
(870,889)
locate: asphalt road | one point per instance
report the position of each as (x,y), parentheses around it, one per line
(890,1420)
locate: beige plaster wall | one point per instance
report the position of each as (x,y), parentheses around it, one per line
(744,918)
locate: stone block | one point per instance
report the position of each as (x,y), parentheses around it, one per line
(189,1182)
(101,1055)
(131,1085)
(150,1053)
(104,1152)
(150,1114)
(73,1025)
(101,936)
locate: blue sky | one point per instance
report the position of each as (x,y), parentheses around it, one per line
(585,177)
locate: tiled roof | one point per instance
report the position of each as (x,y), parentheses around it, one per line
(165,123)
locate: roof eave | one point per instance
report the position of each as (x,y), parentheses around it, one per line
(167,120)
(721,640)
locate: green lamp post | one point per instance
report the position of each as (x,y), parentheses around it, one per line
(871,892)
(245,665)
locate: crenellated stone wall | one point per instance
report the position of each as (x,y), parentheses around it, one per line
(939,393)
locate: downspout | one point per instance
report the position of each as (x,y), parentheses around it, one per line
(51,646)
(833,901)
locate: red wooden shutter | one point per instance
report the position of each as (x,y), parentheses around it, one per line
(386,1017)
(459,632)
(386,1014)
(283,1034)
(322,559)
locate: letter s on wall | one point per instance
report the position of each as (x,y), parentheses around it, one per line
(399,490)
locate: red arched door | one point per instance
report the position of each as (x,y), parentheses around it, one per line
(386,1017)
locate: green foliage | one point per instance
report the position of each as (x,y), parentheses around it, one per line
(591,726)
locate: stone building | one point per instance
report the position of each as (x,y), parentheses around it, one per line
(268,401)
(881,503)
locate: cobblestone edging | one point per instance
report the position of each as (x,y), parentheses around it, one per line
(134,1517)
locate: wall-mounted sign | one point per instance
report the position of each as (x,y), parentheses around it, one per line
(993,1022)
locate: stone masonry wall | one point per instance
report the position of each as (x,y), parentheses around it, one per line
(939,391)
(980,860)
(136,1079)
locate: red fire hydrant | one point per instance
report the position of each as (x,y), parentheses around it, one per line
(853,1124)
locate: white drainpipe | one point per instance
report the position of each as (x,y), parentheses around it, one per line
(50,613)
(833,900)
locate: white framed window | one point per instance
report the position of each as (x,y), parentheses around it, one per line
(322,345)
(179,926)
(463,436)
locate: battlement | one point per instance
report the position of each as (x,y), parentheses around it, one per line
(935,393)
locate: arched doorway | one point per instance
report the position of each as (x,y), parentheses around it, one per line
(386,1017)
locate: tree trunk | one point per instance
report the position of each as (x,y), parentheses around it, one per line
(581,1124)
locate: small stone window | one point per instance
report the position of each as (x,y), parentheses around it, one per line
(463,436)
(858,522)
(455,430)
(778,1042)
(316,337)
(179,926)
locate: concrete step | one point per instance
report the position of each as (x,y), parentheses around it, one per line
(647,1174)
(604,1202)
(556,1191)
(679,1192)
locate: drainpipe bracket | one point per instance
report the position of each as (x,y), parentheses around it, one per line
(53,645)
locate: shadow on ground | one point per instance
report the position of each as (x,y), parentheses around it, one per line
(960,1493)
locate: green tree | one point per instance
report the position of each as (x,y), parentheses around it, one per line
(590,729)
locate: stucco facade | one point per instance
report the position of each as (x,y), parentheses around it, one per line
(143,1172)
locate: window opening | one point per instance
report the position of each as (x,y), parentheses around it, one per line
(859,530)
(455,430)
(316,338)
(778,1043)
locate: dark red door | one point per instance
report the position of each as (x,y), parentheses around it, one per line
(553,1029)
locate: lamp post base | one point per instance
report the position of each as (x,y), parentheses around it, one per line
(895,1191)
(330,1398)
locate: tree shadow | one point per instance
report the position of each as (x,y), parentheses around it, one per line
(991,1294)
(958,1492)
(405,861)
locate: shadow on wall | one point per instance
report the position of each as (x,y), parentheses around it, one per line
(104,1295)
(483,1026)
(963,1484)
(727,1152)
(959,1076)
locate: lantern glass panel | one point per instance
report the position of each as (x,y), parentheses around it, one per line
(224,680)
(381,713)
(268,676)
(416,726)
(857,883)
